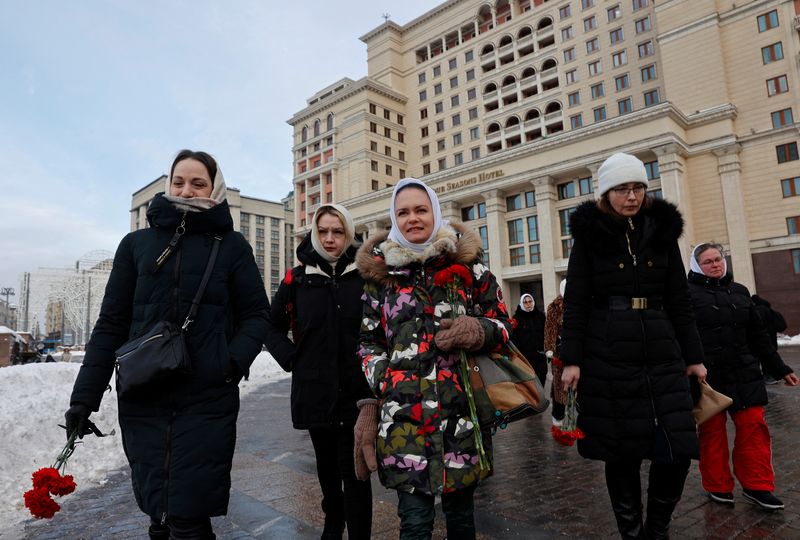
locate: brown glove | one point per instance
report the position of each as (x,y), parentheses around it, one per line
(366,432)
(463,333)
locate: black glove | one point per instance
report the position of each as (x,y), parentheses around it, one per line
(233,373)
(77,419)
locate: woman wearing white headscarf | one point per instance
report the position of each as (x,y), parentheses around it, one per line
(529,335)
(737,349)
(427,295)
(320,302)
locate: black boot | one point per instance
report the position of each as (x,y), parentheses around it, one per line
(625,491)
(157,531)
(663,493)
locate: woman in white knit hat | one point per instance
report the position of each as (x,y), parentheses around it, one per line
(629,344)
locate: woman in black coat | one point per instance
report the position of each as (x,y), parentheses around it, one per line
(737,349)
(628,343)
(179,434)
(320,302)
(528,335)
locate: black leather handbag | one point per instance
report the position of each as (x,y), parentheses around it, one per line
(160,352)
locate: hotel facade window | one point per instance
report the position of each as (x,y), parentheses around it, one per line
(772,53)
(777,85)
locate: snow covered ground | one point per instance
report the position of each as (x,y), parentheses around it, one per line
(34,398)
(784,340)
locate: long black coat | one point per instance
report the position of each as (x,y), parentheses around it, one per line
(180,436)
(327,379)
(528,336)
(735,340)
(633,391)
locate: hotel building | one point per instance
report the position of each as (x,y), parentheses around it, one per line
(267,225)
(508,107)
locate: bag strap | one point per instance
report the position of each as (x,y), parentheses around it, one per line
(197,297)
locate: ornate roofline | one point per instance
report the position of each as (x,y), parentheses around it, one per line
(361,85)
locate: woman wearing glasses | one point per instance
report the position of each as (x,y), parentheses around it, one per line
(629,343)
(737,347)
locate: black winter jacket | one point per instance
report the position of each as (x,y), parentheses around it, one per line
(633,391)
(528,334)
(327,379)
(737,345)
(179,436)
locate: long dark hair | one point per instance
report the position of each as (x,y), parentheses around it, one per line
(208,162)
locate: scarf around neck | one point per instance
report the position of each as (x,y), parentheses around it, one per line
(198,204)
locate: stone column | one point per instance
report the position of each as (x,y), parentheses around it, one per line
(549,238)
(373,228)
(671,166)
(451,210)
(729,168)
(495,210)
(593,168)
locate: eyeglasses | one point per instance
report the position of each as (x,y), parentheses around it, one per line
(623,191)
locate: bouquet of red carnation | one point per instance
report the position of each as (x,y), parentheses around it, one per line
(569,432)
(49,481)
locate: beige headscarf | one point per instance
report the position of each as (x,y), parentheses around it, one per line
(219,192)
(349,231)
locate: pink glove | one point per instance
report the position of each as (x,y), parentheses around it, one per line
(366,433)
(463,333)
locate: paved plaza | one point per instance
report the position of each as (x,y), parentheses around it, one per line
(539,490)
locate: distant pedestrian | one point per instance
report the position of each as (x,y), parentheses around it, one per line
(528,335)
(737,348)
(320,302)
(179,434)
(427,297)
(66,356)
(554,320)
(628,344)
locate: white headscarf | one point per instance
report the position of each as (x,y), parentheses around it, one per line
(349,231)
(396,236)
(695,266)
(219,192)
(522,302)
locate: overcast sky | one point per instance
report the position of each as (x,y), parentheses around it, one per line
(96,97)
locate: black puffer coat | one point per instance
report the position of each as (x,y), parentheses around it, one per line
(179,437)
(737,345)
(633,391)
(327,379)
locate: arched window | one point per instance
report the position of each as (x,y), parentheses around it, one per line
(329,122)
(532,114)
(548,64)
(494,127)
(528,72)
(553,106)
(484,18)
(509,80)
(544,24)
(505,40)
(489,88)
(316,127)
(525,31)
(304,134)
(487,49)
(512,122)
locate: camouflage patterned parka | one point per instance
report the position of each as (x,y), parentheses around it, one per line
(425,438)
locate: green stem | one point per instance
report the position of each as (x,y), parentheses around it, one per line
(61,461)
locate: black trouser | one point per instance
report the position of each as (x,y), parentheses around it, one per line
(333,448)
(417,514)
(665,487)
(182,529)
(539,363)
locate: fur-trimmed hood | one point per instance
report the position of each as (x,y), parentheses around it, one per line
(661,222)
(378,256)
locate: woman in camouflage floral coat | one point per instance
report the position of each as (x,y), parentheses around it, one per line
(410,341)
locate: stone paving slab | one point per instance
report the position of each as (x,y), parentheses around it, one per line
(540,490)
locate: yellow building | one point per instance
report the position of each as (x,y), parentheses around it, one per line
(507,109)
(267,225)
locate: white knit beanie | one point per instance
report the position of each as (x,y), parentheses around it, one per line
(620,169)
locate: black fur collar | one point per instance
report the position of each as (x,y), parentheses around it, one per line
(661,224)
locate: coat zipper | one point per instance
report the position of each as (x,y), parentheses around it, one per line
(167,458)
(151,338)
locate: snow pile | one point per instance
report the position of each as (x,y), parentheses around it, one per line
(784,340)
(34,398)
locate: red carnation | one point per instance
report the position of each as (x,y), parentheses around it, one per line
(44,477)
(40,504)
(448,276)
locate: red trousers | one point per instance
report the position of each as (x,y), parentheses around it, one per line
(752,452)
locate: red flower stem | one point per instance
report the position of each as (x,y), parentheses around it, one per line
(61,461)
